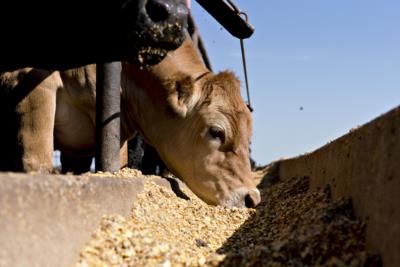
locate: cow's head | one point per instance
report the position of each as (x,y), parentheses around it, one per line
(199,124)
(209,149)
(152,27)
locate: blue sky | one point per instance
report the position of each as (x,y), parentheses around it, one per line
(337,59)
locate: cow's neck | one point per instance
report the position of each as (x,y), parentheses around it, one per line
(141,102)
(143,96)
(184,60)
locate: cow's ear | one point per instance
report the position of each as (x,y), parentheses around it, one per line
(181,97)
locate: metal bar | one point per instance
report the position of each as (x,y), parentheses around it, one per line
(245,75)
(194,31)
(108,76)
(204,54)
(228,17)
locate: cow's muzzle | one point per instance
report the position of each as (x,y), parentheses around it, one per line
(156,23)
(243,198)
(170,12)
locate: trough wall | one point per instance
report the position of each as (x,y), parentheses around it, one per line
(364,165)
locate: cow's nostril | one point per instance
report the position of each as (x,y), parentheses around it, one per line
(157,10)
(252,199)
(249,202)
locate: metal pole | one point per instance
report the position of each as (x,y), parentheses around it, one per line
(227,14)
(193,31)
(108,76)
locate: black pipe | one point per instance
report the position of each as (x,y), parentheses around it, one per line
(108,98)
(228,18)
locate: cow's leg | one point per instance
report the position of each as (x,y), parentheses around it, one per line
(35,122)
(76,165)
(123,155)
(151,162)
(135,152)
(80,165)
(8,138)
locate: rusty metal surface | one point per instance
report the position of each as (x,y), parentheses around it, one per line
(363,165)
(46,219)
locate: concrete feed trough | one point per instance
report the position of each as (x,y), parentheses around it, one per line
(335,206)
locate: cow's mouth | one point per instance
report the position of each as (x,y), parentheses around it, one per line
(148,56)
(154,43)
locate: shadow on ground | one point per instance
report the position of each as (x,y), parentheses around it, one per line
(294,226)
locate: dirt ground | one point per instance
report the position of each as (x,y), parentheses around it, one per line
(292,226)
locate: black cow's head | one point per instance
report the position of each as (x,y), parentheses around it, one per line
(73,33)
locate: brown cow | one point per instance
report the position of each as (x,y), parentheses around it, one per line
(196,120)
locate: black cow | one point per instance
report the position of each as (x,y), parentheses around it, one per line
(69,33)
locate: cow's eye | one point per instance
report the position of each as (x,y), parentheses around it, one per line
(217,133)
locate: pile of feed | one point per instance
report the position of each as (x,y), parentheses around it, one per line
(291,227)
